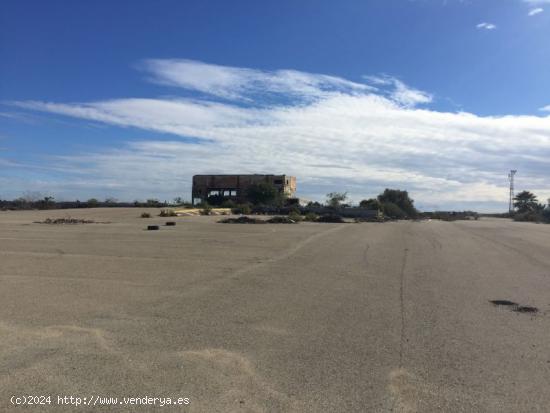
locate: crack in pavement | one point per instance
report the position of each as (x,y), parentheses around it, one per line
(402,306)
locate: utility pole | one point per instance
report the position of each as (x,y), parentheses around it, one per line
(511,200)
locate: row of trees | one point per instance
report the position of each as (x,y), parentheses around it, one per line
(392,202)
(49,202)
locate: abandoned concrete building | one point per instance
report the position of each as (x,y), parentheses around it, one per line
(235,187)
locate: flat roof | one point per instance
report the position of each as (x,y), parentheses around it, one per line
(240,175)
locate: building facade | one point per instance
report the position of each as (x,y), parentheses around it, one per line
(235,187)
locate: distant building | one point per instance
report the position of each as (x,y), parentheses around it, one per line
(234,187)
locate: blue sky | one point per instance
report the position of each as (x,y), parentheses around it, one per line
(128,99)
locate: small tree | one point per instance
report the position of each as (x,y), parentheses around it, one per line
(335,199)
(92,202)
(399,198)
(46,203)
(525,201)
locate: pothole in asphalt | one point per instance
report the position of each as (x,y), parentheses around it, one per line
(503,302)
(526,309)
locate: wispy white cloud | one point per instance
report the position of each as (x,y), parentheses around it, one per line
(537,1)
(184,117)
(545,108)
(348,138)
(18,116)
(535,11)
(486,26)
(244,83)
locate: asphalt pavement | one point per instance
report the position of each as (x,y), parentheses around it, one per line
(402,316)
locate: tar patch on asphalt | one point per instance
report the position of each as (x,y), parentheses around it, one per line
(526,309)
(515,306)
(503,302)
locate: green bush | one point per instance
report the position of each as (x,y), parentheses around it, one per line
(295,217)
(294,210)
(393,211)
(145,215)
(529,216)
(206,210)
(311,217)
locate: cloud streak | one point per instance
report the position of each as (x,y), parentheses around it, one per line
(237,83)
(486,26)
(534,12)
(330,132)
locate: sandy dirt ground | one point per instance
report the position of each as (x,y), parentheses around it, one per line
(274,318)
